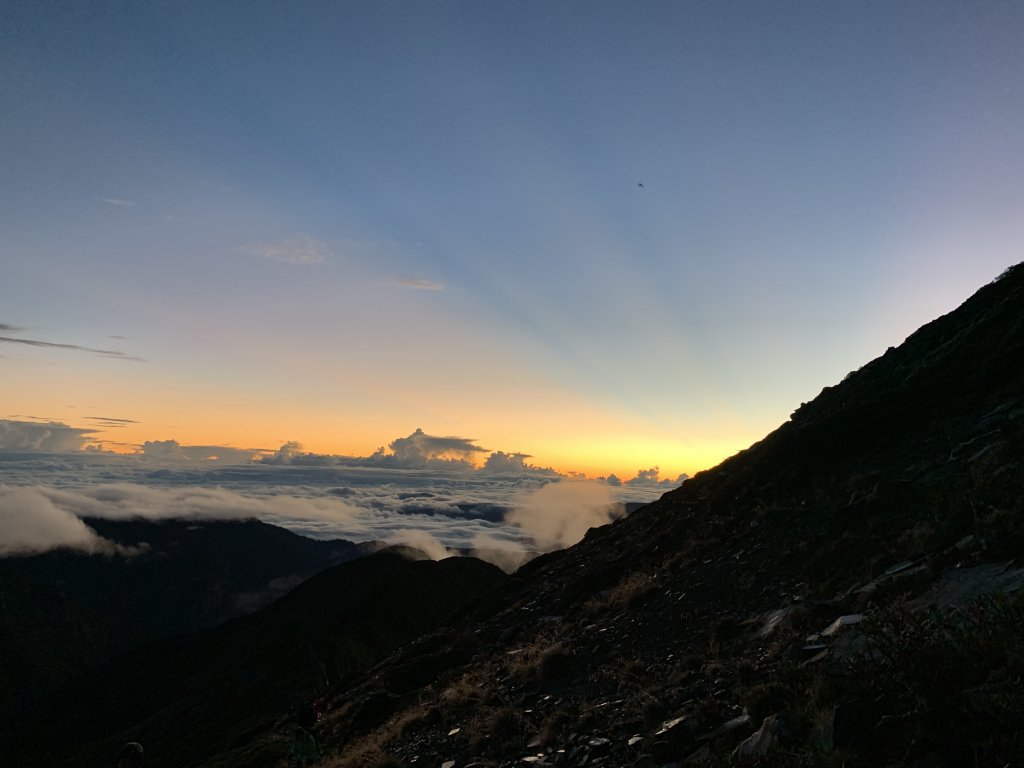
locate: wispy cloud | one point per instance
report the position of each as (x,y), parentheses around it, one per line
(418,283)
(111,353)
(109,421)
(119,202)
(10,328)
(300,249)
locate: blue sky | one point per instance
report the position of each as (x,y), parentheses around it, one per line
(334,223)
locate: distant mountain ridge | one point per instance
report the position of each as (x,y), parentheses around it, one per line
(222,689)
(68,611)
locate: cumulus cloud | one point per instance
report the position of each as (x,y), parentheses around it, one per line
(291,454)
(649,477)
(501,463)
(419,284)
(173,451)
(420,447)
(558,514)
(31,523)
(43,437)
(416,451)
(300,249)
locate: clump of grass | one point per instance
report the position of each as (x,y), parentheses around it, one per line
(767,699)
(632,590)
(725,632)
(543,662)
(555,662)
(498,731)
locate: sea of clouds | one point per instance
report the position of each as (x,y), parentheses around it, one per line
(440,494)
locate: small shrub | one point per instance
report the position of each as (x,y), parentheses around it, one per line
(554,662)
(725,632)
(498,731)
(768,699)
(633,589)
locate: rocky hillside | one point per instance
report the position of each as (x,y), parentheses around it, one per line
(841,593)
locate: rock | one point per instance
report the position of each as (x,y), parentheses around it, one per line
(702,755)
(761,740)
(731,725)
(898,567)
(819,656)
(842,623)
(958,587)
(668,725)
(772,620)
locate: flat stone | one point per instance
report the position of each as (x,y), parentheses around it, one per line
(761,740)
(668,725)
(958,587)
(842,623)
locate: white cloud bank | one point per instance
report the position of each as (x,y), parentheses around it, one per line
(40,518)
(31,523)
(557,515)
(41,436)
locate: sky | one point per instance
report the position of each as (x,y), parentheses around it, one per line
(598,237)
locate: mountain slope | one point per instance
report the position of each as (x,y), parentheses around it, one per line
(670,635)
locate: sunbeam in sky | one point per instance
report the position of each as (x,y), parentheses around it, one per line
(612,236)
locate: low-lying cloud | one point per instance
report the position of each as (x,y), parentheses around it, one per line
(558,514)
(424,541)
(31,523)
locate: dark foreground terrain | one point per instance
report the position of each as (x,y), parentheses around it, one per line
(845,592)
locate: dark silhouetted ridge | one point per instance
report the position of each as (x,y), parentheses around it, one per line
(221,690)
(675,634)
